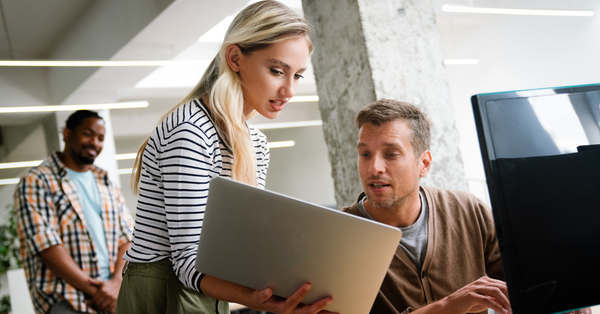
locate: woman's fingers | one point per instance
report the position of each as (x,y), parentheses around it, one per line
(297,297)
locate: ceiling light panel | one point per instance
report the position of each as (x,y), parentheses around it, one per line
(461,61)
(120,105)
(148,63)
(467,9)
(217,33)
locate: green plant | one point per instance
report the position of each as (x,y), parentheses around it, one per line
(10,257)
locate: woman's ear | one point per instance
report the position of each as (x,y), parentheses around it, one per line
(233,56)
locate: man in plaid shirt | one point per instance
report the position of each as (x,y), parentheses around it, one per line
(73,225)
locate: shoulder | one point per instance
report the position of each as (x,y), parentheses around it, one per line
(190,122)
(453,201)
(257,136)
(190,114)
(445,196)
(48,169)
(353,209)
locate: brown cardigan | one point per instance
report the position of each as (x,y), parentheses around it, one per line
(461,247)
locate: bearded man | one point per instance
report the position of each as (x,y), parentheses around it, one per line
(73,225)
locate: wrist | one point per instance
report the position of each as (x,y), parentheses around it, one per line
(435,307)
(89,289)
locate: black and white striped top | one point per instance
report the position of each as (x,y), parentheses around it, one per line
(183,153)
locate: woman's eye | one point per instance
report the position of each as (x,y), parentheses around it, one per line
(298,76)
(276,72)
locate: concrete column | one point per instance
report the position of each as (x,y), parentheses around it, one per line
(371,49)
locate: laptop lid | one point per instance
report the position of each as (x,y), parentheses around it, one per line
(261,239)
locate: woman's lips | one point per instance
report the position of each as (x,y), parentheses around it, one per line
(277,104)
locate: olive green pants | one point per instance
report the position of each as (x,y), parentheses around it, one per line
(153,288)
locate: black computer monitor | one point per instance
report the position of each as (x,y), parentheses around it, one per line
(545,194)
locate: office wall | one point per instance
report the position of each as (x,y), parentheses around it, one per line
(514,52)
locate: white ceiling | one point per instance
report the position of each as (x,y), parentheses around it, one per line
(49,29)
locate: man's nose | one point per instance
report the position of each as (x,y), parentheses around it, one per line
(377,165)
(97,142)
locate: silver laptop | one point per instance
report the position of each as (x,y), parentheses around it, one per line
(262,239)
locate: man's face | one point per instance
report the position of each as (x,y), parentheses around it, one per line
(388,167)
(87,140)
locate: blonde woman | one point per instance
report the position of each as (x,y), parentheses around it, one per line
(264,53)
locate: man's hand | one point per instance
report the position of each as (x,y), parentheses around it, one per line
(105,299)
(483,293)
(581,311)
(478,296)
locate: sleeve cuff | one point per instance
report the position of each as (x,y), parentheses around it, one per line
(43,240)
(199,281)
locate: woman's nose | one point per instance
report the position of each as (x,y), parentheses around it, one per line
(288,89)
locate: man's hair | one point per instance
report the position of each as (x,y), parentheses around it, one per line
(387,110)
(78,116)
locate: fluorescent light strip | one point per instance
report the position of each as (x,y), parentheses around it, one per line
(148,63)
(281,144)
(124,171)
(466,9)
(461,61)
(217,33)
(125,156)
(35,163)
(120,105)
(9,181)
(20,164)
(284,125)
(304,98)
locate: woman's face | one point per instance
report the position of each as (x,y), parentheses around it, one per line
(270,76)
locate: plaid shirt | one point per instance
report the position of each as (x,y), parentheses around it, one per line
(49,213)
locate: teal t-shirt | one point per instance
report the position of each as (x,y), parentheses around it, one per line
(91,205)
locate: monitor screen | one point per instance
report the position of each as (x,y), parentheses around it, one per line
(541,156)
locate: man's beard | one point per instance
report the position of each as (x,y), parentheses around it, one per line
(383,204)
(86,160)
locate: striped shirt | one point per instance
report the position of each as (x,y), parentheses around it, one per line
(183,153)
(48,212)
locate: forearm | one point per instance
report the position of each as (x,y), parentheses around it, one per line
(120,262)
(58,260)
(435,307)
(228,291)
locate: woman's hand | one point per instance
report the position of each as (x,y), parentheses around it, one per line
(271,303)
(262,300)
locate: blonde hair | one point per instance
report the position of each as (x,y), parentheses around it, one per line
(256,27)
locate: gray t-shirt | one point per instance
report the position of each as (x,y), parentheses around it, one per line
(414,237)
